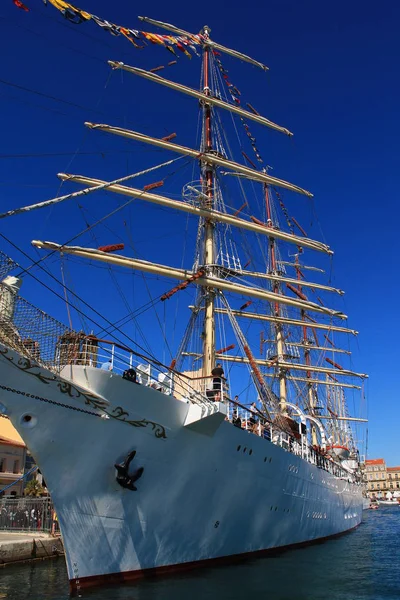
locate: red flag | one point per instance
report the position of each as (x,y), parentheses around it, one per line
(20,4)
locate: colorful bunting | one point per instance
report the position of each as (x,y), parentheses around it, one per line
(77,16)
(235,95)
(284,210)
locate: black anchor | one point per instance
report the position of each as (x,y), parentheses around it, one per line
(123,478)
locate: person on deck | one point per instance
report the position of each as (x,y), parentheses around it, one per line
(130,375)
(253,419)
(218,375)
(236,420)
(107,366)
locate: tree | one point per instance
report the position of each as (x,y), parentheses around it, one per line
(33,488)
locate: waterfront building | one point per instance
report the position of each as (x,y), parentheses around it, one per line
(393,479)
(12,457)
(381,479)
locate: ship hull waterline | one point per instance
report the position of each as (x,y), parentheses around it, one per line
(209,492)
(171,570)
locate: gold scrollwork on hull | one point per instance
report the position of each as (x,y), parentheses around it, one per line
(119,413)
(65,387)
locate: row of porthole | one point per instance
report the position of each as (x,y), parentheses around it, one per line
(329,484)
(251,452)
(323,481)
(293,468)
(244,449)
(316,515)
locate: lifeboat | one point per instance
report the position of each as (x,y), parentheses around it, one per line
(341,452)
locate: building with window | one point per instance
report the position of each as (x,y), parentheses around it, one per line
(393,479)
(381,479)
(12,457)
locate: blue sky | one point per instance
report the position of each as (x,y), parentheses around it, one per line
(333,82)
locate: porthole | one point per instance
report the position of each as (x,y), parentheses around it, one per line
(250,452)
(238,448)
(265,459)
(28,420)
(244,449)
(270,460)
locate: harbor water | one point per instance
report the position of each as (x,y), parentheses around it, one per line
(360,565)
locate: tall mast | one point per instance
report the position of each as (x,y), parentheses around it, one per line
(310,393)
(208,190)
(278,326)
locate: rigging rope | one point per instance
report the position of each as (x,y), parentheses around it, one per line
(144,357)
(84,192)
(19,479)
(65,291)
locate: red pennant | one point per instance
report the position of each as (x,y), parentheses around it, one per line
(20,4)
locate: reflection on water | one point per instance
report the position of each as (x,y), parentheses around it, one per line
(362,565)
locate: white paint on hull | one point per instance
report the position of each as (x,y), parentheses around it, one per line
(201,496)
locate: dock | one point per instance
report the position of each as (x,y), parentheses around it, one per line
(26,547)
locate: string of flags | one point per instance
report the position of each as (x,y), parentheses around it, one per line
(174,44)
(285,211)
(139,39)
(235,95)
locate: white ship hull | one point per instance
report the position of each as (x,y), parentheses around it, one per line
(209,490)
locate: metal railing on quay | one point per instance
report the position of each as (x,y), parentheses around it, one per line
(27,514)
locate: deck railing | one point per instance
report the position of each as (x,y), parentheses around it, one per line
(40,338)
(49,343)
(254,423)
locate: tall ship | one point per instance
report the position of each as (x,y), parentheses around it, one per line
(241,441)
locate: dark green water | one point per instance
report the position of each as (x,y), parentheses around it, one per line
(361,565)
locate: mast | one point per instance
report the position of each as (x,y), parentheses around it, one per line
(310,394)
(208,191)
(278,326)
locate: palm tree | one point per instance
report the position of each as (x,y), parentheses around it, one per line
(34,488)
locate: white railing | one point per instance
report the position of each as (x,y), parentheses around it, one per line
(109,356)
(255,424)
(104,354)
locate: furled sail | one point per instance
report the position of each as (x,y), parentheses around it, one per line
(175,273)
(101,185)
(317,286)
(200,96)
(287,321)
(293,366)
(218,47)
(207,213)
(206,157)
